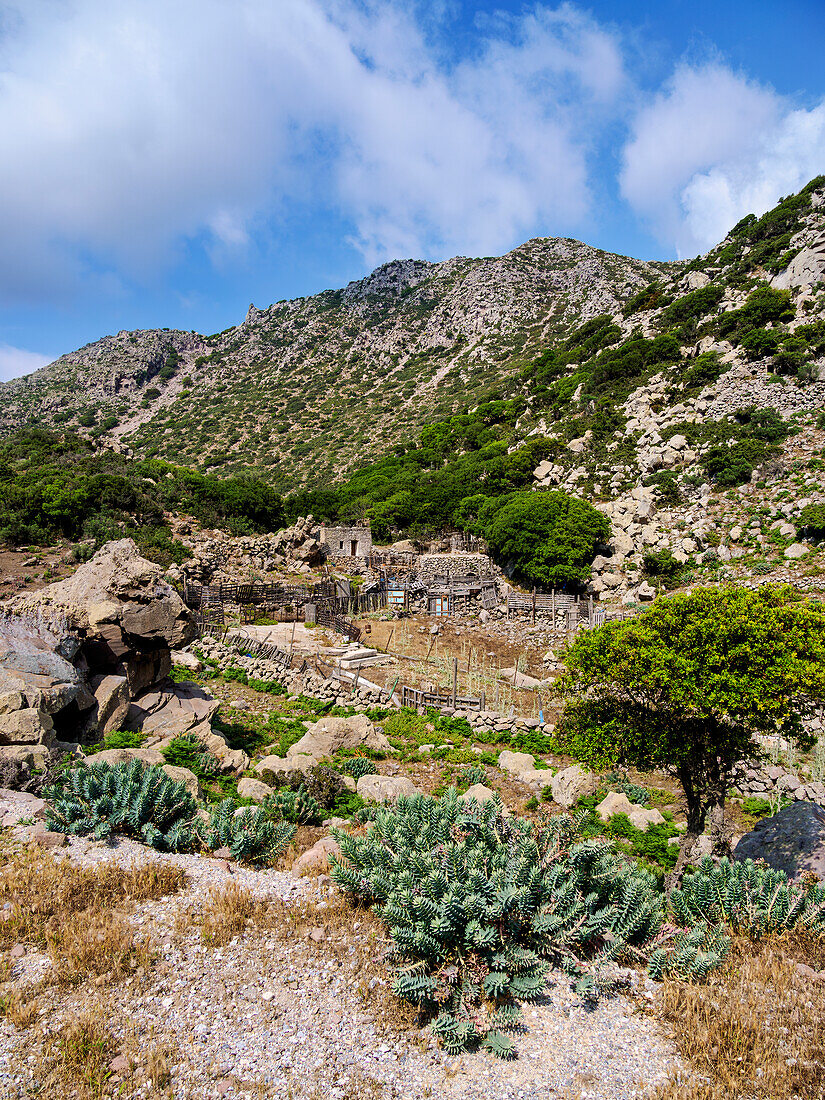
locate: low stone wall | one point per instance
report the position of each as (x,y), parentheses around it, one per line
(766,780)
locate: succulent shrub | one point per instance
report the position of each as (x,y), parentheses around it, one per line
(471,775)
(296,806)
(358,766)
(479,906)
(188,751)
(752,898)
(131,798)
(248,832)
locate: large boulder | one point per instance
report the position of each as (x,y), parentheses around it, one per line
(127,616)
(315,861)
(792,841)
(385,788)
(254,789)
(571,784)
(171,710)
(639,816)
(477,793)
(112,703)
(329,735)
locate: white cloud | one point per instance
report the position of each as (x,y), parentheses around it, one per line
(127,128)
(712,147)
(15,362)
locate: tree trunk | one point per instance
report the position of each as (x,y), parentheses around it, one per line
(695,825)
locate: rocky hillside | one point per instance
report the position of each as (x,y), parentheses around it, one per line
(303,387)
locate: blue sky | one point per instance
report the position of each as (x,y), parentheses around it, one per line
(165,162)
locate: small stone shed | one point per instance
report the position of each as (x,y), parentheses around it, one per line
(346,542)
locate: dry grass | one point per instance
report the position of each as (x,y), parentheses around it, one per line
(227,912)
(45,892)
(98,945)
(755,1030)
(20,1011)
(74,1058)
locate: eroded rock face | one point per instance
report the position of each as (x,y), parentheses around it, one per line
(571,784)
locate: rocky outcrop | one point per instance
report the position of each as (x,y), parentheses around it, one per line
(792,841)
(328,735)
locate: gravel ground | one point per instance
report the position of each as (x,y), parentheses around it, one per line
(288,1017)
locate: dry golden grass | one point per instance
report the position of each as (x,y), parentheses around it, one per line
(45,892)
(227,912)
(19,1010)
(755,1030)
(95,945)
(73,1059)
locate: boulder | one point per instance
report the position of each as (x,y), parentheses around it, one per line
(150,757)
(792,841)
(185,776)
(385,788)
(477,792)
(119,604)
(112,697)
(253,788)
(315,861)
(184,659)
(26,727)
(328,735)
(571,784)
(646,591)
(796,551)
(516,763)
(612,804)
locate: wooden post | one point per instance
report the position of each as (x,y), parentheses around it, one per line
(534,607)
(553,605)
(590,610)
(392,689)
(455,681)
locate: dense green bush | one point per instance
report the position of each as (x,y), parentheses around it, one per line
(811,521)
(479,905)
(55,486)
(188,751)
(548,538)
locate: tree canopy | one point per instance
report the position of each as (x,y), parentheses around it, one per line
(688,685)
(548,538)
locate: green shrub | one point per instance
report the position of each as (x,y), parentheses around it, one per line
(811,520)
(662,563)
(549,538)
(757,807)
(358,766)
(117,739)
(471,775)
(754,900)
(533,741)
(248,832)
(132,799)
(479,905)
(296,806)
(188,751)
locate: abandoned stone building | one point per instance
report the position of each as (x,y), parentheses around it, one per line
(346,542)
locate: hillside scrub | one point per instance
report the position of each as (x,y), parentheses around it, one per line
(688,684)
(61,487)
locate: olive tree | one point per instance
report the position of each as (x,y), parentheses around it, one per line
(689,684)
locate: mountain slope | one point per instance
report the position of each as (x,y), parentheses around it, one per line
(302,388)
